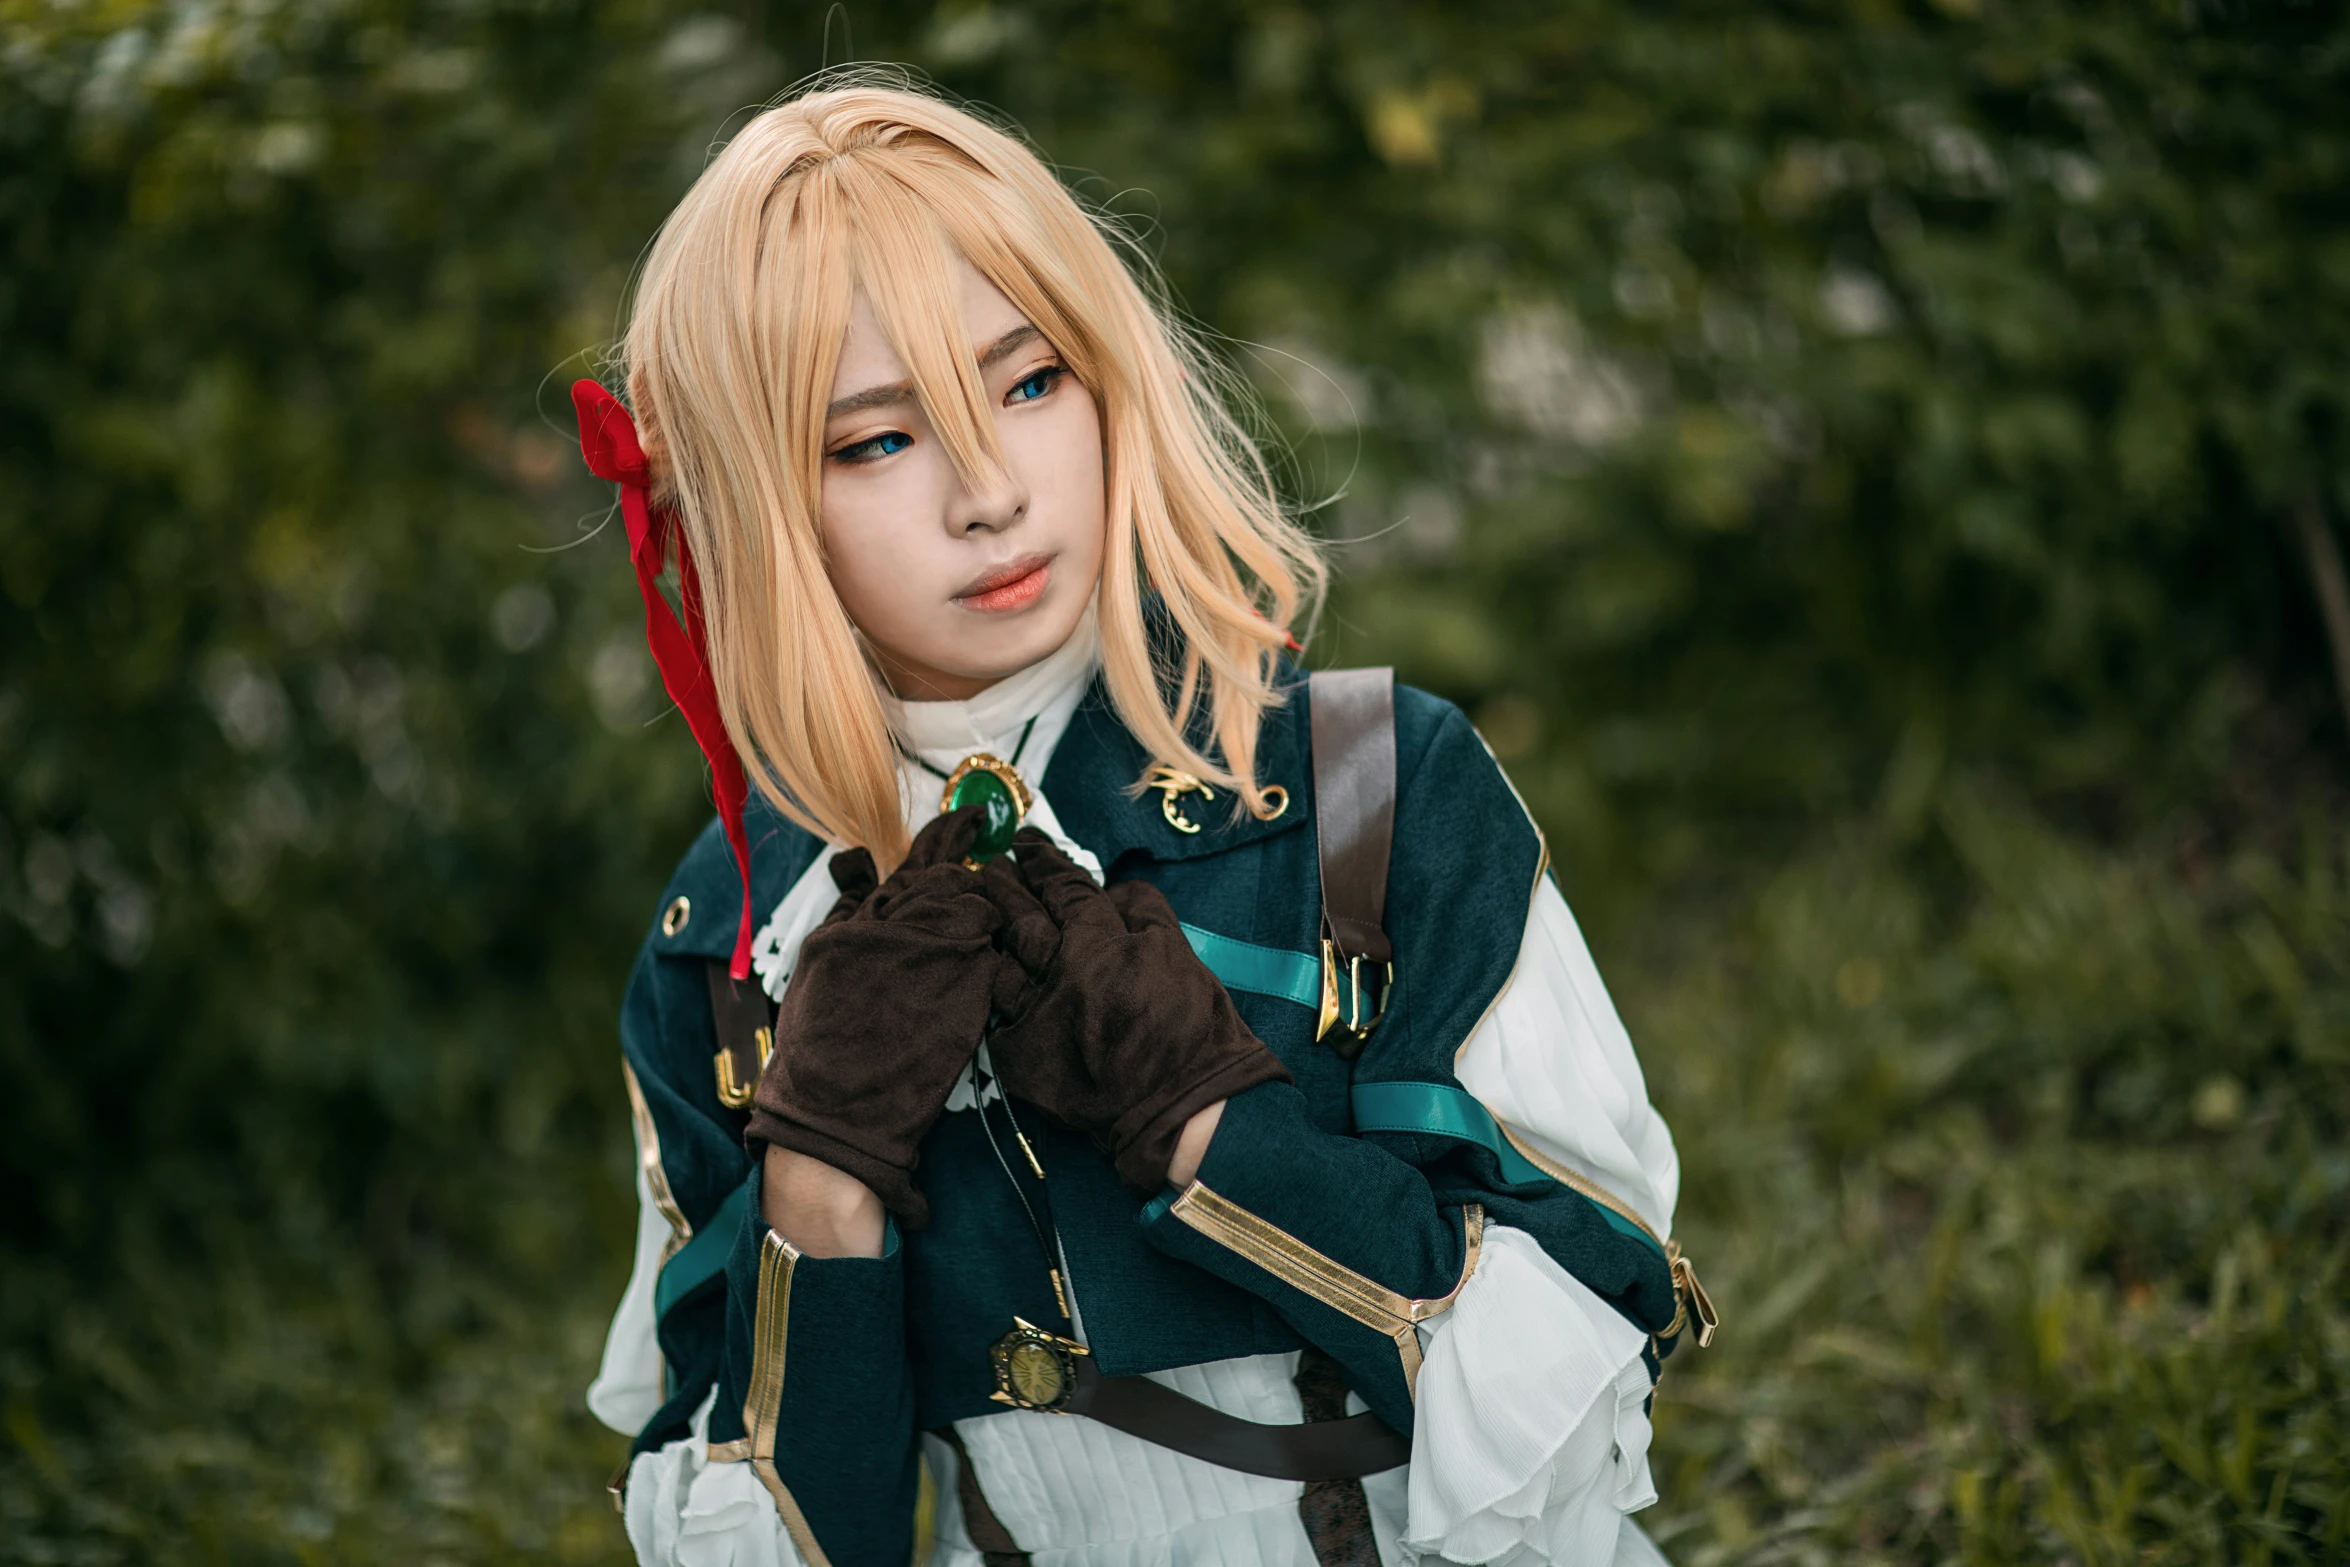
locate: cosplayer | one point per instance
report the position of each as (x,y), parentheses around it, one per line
(1155,1092)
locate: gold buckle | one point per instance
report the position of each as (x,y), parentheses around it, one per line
(734,1093)
(1689,1298)
(1034,1369)
(1343,1006)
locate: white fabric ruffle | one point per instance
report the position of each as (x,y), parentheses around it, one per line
(684,1511)
(1553,1061)
(1531,1442)
(627,1389)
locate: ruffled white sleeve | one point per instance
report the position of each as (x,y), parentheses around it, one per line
(684,1510)
(627,1389)
(1531,1440)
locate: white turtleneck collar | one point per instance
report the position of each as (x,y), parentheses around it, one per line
(1048,691)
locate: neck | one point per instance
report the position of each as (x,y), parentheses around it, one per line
(914,682)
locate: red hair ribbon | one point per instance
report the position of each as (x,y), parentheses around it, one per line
(607,438)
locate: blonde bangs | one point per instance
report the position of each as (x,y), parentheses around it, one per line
(732,347)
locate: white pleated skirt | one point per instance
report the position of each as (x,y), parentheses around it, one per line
(1075,1493)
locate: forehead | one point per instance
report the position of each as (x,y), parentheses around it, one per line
(867,360)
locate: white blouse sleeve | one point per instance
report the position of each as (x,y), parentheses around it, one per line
(682,1509)
(627,1389)
(1531,1440)
(686,1510)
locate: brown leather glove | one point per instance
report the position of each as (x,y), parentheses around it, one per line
(1105,1016)
(886,1004)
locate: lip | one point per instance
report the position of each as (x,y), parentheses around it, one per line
(1016,584)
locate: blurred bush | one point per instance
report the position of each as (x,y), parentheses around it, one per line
(1872,470)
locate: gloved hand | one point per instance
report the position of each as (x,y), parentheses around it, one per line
(886,1004)
(1105,1016)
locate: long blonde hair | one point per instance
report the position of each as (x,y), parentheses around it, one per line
(731,349)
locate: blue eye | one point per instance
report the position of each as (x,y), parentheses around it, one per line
(1035,386)
(887,444)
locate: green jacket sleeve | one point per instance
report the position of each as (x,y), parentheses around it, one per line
(814,1393)
(1349,1243)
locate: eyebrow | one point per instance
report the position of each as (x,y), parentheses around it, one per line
(994,354)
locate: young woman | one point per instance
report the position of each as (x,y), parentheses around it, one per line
(1238,1163)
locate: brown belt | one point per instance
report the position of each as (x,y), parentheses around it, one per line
(1329,1454)
(1344,1449)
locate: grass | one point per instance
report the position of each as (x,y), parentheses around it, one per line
(2023,1200)
(2015,1165)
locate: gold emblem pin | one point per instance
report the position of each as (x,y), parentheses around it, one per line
(1034,1369)
(1173,783)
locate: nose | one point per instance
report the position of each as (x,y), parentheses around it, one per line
(992,504)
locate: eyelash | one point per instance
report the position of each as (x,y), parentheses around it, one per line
(864,451)
(1050,375)
(850,452)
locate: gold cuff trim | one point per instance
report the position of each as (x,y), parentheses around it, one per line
(648,1157)
(1332,1283)
(1569,1177)
(733,1452)
(761,1405)
(1689,1297)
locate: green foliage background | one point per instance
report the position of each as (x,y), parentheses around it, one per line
(1867,466)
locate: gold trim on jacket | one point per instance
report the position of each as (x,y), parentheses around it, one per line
(762,1405)
(648,1158)
(1334,1284)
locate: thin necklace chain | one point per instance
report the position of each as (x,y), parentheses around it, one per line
(941,773)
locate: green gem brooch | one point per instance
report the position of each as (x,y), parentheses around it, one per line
(995,786)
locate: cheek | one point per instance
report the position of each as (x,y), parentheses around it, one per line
(1061,459)
(873,536)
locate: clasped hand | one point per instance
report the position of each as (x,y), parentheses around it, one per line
(1092,1003)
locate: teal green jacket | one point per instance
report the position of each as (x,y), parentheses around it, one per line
(1332,1211)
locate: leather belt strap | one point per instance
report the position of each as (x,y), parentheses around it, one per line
(1326,1448)
(981,1526)
(745,1024)
(1318,1450)
(1336,1513)
(1354,804)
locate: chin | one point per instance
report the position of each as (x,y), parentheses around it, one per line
(1010,644)
(1024,646)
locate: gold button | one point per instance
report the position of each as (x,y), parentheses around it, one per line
(673,918)
(1276,801)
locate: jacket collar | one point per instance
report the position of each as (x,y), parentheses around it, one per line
(1098,765)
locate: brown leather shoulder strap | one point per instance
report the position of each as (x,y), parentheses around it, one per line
(1354,804)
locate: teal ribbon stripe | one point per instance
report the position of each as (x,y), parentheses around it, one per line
(702,1256)
(1433,1109)
(1262,971)
(1439,1110)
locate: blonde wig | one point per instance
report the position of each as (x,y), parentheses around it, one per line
(731,350)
